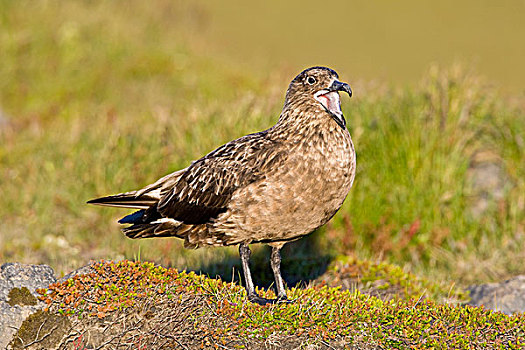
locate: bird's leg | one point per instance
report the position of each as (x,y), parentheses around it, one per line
(275,262)
(244,252)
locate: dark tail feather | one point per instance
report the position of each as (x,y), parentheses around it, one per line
(157,229)
(126,200)
(147,221)
(133,217)
(139,231)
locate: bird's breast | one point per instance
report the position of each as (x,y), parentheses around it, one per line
(330,159)
(296,196)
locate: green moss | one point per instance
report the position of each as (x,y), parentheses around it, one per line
(387,281)
(21,296)
(42,328)
(320,313)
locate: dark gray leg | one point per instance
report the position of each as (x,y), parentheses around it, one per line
(244,252)
(275,262)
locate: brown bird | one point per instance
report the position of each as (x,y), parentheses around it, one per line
(273,187)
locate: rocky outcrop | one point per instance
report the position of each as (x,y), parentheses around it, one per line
(18,297)
(507,297)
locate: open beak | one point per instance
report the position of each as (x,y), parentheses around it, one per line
(339,86)
(330,100)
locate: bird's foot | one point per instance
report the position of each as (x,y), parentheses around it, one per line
(254,298)
(283,299)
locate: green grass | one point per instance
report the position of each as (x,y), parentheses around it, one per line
(102,97)
(414,190)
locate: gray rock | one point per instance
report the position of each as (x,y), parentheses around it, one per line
(84,270)
(488,179)
(16,275)
(507,297)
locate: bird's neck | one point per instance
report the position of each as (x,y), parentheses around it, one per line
(305,123)
(300,113)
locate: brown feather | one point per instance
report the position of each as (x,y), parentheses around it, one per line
(126,200)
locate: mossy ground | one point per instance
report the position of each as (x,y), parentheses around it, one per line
(387,281)
(153,306)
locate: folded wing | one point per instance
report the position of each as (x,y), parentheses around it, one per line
(191,197)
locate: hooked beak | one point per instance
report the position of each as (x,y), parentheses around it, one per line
(329,99)
(339,86)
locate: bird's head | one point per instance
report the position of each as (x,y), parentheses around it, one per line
(317,89)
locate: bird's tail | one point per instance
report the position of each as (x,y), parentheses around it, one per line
(126,200)
(161,227)
(147,222)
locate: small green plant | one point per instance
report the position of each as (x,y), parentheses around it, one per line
(120,290)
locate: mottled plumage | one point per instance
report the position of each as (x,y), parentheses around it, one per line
(271,187)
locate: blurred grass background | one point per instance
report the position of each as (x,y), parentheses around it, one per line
(98,97)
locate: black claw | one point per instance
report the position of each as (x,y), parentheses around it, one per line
(284,300)
(254,298)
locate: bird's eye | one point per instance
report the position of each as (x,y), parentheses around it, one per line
(311,80)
